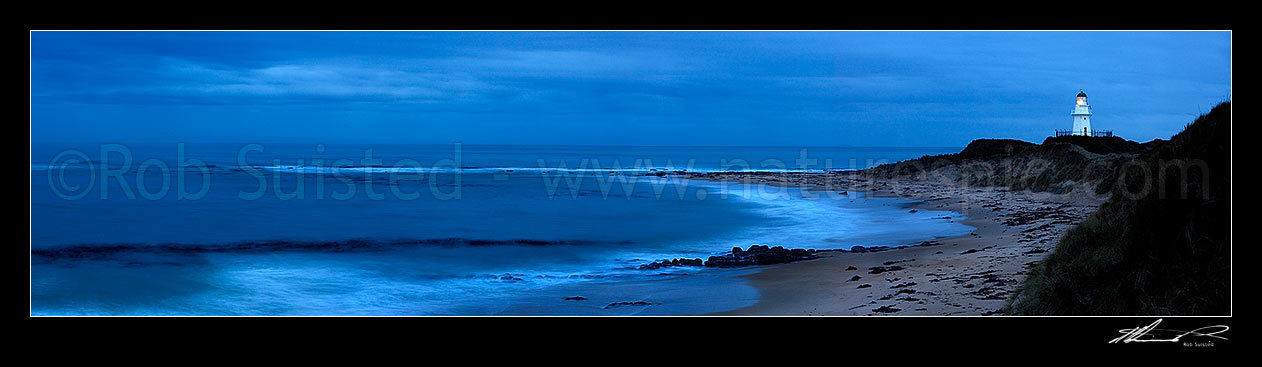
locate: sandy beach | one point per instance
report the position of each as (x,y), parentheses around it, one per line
(971,274)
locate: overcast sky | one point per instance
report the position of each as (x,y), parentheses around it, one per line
(623,88)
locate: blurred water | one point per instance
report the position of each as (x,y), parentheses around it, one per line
(500,227)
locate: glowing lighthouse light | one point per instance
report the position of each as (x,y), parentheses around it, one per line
(1082,115)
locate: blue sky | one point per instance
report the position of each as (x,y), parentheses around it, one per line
(617,88)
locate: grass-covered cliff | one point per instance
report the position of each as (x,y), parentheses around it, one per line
(1055,165)
(1160,245)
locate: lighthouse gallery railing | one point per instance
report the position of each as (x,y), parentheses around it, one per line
(1093,133)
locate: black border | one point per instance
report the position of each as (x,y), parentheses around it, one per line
(847,15)
(979,339)
(846,340)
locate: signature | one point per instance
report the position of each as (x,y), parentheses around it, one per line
(1151,333)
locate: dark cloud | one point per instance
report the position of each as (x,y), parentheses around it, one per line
(668,88)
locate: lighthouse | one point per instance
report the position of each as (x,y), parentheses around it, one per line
(1082,115)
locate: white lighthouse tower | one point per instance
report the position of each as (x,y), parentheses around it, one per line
(1082,115)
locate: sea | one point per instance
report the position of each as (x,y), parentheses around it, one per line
(440,229)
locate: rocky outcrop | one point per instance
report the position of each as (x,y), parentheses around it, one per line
(863,249)
(760,255)
(671,263)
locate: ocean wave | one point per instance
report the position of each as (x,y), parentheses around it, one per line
(443,170)
(541,170)
(104,251)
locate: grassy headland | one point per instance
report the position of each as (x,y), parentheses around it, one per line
(1072,226)
(1161,244)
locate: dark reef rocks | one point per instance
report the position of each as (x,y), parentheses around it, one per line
(755,255)
(760,255)
(671,263)
(862,249)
